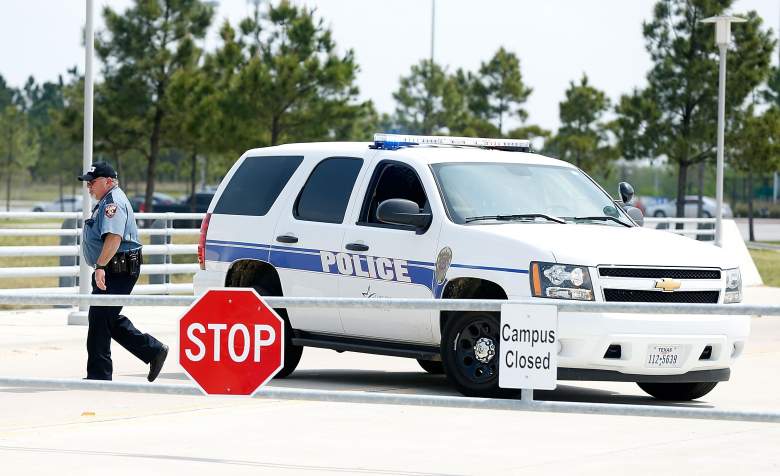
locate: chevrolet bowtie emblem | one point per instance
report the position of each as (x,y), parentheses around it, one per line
(668,285)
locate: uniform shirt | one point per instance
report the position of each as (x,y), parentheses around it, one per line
(112,214)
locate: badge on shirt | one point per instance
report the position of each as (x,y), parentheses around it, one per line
(111,210)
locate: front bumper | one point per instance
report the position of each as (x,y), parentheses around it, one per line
(584,339)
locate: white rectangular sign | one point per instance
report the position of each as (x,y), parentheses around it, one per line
(528,346)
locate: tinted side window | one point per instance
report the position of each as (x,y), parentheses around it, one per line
(392,180)
(325,196)
(256,184)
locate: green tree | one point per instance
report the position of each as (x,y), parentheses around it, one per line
(7,93)
(420,99)
(43,103)
(141,49)
(772,93)
(500,91)
(286,80)
(18,146)
(583,137)
(754,147)
(675,115)
(194,118)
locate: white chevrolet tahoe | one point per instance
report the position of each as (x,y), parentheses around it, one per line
(437,217)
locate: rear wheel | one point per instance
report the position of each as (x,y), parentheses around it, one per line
(431,366)
(469,354)
(292,353)
(679,392)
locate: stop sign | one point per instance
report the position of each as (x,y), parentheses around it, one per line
(231,342)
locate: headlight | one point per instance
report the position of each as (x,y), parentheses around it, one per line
(561,281)
(733,286)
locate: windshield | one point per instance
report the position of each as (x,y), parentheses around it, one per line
(503,191)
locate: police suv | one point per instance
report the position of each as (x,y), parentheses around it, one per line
(467,218)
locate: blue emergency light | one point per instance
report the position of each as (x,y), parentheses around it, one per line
(396,141)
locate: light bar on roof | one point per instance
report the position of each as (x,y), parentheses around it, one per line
(395,141)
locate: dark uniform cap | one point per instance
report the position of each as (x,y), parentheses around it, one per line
(98,169)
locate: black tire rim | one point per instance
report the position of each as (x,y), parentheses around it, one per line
(476,349)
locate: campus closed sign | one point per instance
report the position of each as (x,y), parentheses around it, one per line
(529,346)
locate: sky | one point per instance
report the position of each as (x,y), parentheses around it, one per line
(557,41)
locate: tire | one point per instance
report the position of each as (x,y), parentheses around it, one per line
(431,366)
(659,214)
(292,353)
(471,375)
(37,209)
(678,392)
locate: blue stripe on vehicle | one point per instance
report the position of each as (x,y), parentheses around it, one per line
(490,268)
(308,259)
(229,254)
(303,261)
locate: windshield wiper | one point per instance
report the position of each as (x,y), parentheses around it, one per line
(515,217)
(602,218)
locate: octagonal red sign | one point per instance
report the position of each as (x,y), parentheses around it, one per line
(231,342)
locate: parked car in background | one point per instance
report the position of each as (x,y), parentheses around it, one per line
(202,201)
(158,199)
(68,203)
(668,208)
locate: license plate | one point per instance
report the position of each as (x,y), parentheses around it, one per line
(664,356)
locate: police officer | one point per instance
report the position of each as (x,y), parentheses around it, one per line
(110,244)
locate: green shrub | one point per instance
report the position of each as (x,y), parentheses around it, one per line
(760,210)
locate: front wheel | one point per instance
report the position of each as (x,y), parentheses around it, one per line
(469,354)
(679,392)
(292,353)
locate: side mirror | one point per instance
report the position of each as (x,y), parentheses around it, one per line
(399,211)
(636,215)
(626,192)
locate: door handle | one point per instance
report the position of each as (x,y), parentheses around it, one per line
(356,247)
(287,239)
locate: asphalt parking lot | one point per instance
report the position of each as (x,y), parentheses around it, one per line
(45,432)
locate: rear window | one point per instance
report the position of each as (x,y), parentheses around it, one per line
(325,196)
(256,184)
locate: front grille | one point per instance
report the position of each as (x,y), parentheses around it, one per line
(633,295)
(659,273)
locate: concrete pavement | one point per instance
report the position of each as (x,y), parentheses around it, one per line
(43,432)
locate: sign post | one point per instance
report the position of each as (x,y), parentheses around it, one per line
(529,348)
(231,342)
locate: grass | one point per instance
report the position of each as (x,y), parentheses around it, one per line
(768,264)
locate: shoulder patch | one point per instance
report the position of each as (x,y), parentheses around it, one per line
(110,210)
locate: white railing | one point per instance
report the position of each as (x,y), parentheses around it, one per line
(166,251)
(525,404)
(690,226)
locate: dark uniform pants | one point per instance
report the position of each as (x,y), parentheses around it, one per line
(106,323)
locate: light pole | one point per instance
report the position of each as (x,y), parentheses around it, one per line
(80,317)
(722,38)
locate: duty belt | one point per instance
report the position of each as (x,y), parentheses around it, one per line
(126,262)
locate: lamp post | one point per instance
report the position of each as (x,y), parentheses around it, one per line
(722,38)
(80,317)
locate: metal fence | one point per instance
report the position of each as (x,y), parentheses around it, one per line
(702,229)
(525,404)
(159,254)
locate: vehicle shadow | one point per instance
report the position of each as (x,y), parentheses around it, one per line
(421,383)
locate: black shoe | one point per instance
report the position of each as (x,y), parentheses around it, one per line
(157,363)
